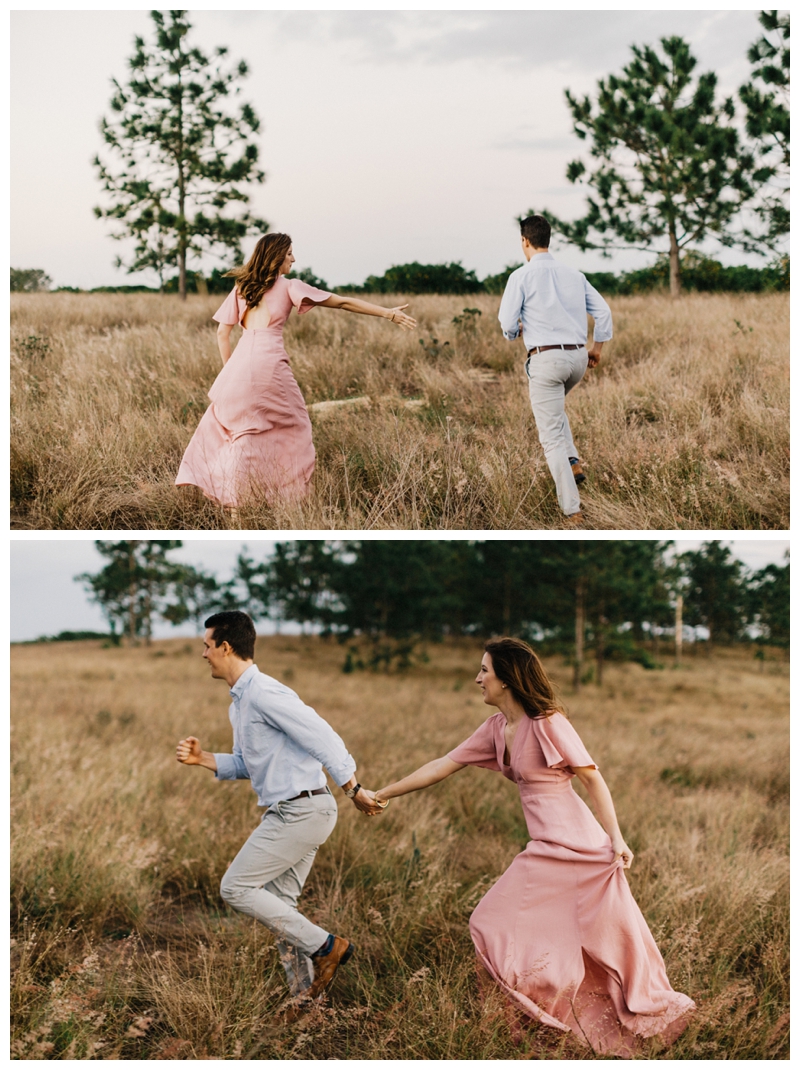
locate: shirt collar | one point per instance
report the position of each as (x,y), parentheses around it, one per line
(540,256)
(243,681)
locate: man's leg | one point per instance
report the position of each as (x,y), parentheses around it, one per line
(297,965)
(287,838)
(549,374)
(579,360)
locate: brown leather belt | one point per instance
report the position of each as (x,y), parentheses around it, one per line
(311,791)
(541,349)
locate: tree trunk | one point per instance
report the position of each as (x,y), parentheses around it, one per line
(132,594)
(600,648)
(674,264)
(678,628)
(181,202)
(181,241)
(580,627)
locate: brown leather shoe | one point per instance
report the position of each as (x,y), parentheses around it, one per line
(574,521)
(326,966)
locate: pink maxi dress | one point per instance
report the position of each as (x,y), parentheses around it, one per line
(255,437)
(560,931)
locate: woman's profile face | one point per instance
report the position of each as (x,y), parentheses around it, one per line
(288,260)
(488,682)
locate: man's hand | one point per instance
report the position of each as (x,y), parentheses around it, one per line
(189,751)
(367,803)
(594,354)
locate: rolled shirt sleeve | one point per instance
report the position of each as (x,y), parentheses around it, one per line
(511,307)
(598,309)
(289,714)
(232,766)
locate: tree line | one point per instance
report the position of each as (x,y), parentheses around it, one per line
(620,599)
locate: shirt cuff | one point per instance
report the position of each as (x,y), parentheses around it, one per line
(226,767)
(511,335)
(342,773)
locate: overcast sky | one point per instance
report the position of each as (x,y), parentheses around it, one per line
(387,136)
(45,599)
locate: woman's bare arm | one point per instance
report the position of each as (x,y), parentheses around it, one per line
(604,808)
(224,341)
(428,774)
(366,308)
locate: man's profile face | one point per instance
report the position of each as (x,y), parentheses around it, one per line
(214,655)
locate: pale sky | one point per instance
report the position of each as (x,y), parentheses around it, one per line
(46,600)
(387,136)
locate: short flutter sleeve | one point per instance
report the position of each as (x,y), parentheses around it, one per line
(304,297)
(560,743)
(480,749)
(232,309)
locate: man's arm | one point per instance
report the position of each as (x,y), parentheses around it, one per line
(511,309)
(598,309)
(189,752)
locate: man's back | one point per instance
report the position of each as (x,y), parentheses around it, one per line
(552,300)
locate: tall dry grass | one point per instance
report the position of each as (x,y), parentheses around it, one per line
(684,425)
(123,949)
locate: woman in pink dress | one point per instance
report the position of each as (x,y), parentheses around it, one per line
(254,440)
(560,931)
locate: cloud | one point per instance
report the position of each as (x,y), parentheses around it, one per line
(591,41)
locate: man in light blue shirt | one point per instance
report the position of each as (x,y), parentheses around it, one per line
(552,301)
(281,746)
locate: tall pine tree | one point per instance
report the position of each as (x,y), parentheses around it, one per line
(184,153)
(670,168)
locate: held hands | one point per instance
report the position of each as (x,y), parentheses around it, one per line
(368,803)
(408,323)
(621,850)
(189,751)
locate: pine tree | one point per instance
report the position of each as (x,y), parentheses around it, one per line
(670,166)
(715,593)
(768,119)
(131,589)
(184,156)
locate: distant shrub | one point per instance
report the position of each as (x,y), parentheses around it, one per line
(495,284)
(307,275)
(698,273)
(29,280)
(417,278)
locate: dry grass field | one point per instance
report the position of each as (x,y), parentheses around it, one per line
(684,426)
(123,949)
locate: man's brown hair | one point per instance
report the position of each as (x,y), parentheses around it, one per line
(537,230)
(236,628)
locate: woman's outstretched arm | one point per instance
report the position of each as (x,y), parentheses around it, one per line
(604,808)
(366,308)
(428,774)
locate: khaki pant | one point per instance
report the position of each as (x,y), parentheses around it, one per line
(267,876)
(551,376)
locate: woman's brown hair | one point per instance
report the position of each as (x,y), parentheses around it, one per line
(262,269)
(518,667)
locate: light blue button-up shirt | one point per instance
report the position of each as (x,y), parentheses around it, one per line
(552,300)
(279,743)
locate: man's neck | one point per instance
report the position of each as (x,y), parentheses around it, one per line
(237,669)
(532,250)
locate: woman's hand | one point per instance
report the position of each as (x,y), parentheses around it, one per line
(623,851)
(398,316)
(374,804)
